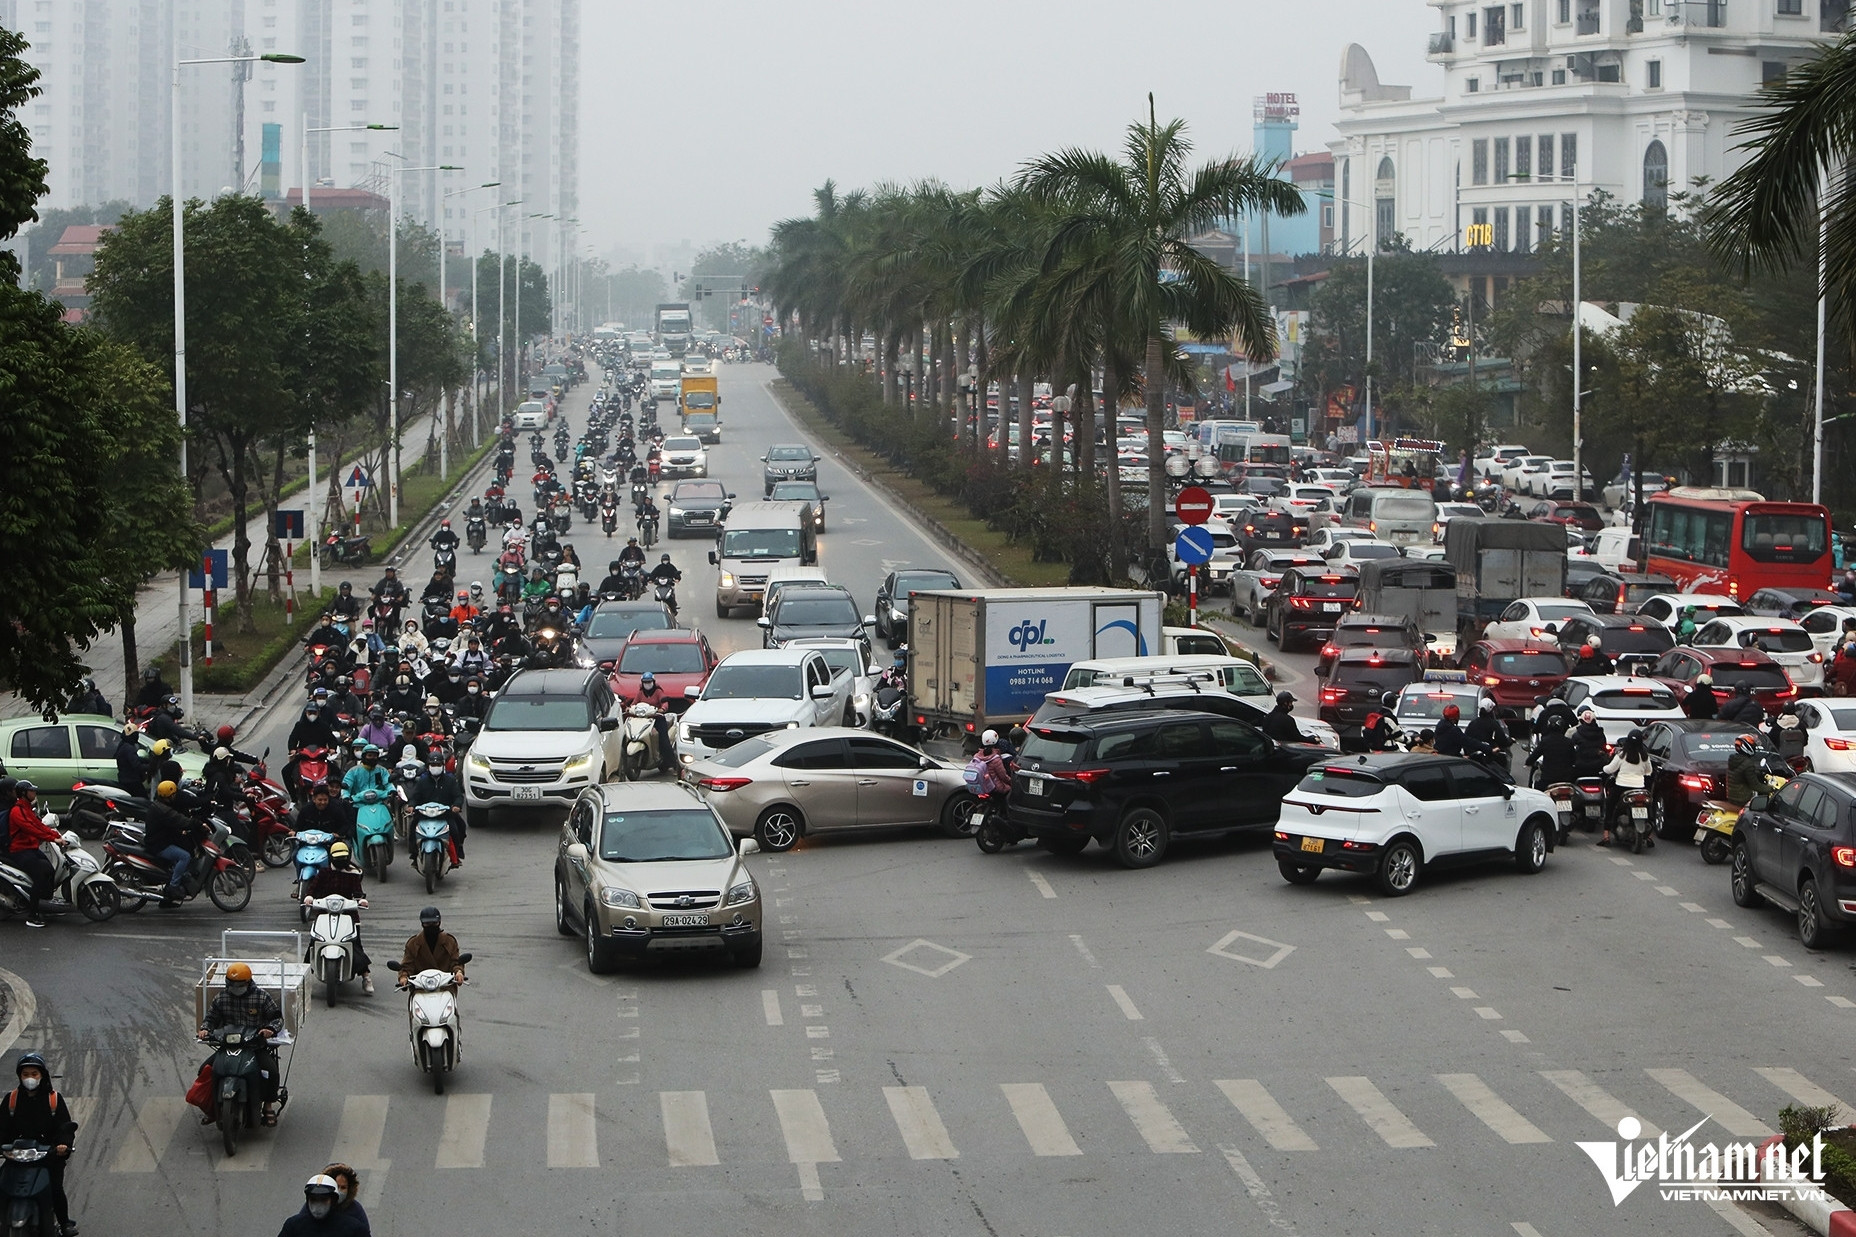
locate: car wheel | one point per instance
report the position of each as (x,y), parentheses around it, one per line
(1269,628)
(1298,873)
(747,957)
(721,611)
(1141,839)
(1813,931)
(476,817)
(561,923)
(957,815)
(1530,849)
(1065,845)
(1741,878)
(778,828)
(1399,868)
(601,958)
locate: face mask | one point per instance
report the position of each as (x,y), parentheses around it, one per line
(238,989)
(31,1084)
(474,689)
(319,1208)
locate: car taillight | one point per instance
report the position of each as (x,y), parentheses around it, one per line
(1843,856)
(723,783)
(1696,781)
(1492,680)
(1839,745)
(1300,603)
(1088,777)
(1815,658)
(1329,649)
(1333,695)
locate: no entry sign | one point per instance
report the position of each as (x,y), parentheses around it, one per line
(1194,505)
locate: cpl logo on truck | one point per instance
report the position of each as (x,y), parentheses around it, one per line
(1028,635)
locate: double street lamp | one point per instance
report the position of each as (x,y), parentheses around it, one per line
(444,299)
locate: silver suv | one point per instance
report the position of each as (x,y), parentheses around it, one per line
(549,735)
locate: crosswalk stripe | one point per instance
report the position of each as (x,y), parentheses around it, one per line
(923,1132)
(687,1133)
(1379,1113)
(1731,1117)
(1492,1110)
(1802,1089)
(357,1143)
(1039,1119)
(467,1125)
(156,1120)
(573,1140)
(1607,1108)
(1268,1117)
(803,1125)
(1164,1135)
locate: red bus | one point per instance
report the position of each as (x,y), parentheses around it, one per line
(1733,542)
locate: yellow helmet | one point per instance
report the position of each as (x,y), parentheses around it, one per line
(167,790)
(238,972)
(339,851)
(161,747)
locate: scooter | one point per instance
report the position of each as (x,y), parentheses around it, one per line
(886,710)
(608,515)
(405,775)
(1561,793)
(94,805)
(332,937)
(431,855)
(432,1022)
(640,747)
(25,1183)
(476,533)
(238,1087)
(339,551)
(142,878)
(666,594)
(76,878)
(1714,826)
(373,832)
(445,562)
(1631,826)
(312,855)
(1588,802)
(991,827)
(566,578)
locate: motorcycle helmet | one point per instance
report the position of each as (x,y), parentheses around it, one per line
(346,588)
(35,1061)
(371,752)
(989,739)
(339,854)
(463,594)
(1487,706)
(24,787)
(150,674)
(432,704)
(1745,743)
(613,567)
(1704,680)
(130,729)
(319,1195)
(222,754)
(1389,700)
(663,558)
(173,705)
(160,748)
(238,973)
(167,790)
(631,541)
(476,589)
(1452,712)
(1587,715)
(429,917)
(1595,642)
(391,570)
(225,733)
(647,682)
(445,523)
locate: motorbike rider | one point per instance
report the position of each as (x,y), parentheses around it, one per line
(326,633)
(1685,630)
(132,768)
(34,1111)
(222,782)
(1700,703)
(444,538)
(471,659)
(666,573)
(403,695)
(1746,772)
(1555,713)
(327,811)
(475,510)
(537,588)
(1589,746)
(343,700)
(378,730)
(632,553)
(1591,659)
(1629,769)
(1743,707)
(1380,729)
(245,1004)
(438,588)
(1552,756)
(1486,736)
(87,699)
(651,693)
(463,612)
(164,722)
(313,729)
(431,948)
(389,591)
(26,832)
(614,582)
(995,771)
(153,690)
(1787,733)
(438,785)
(322,1213)
(434,720)
(171,836)
(1449,735)
(370,774)
(346,607)
(647,512)
(473,703)
(342,879)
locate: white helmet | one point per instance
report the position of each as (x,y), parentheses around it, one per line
(990,739)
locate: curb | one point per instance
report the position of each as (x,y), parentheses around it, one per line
(1825,1216)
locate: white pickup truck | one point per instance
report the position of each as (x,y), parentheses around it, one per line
(758,690)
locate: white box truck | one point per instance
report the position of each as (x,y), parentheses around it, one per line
(987,657)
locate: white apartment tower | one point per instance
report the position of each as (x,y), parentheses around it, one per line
(1639,98)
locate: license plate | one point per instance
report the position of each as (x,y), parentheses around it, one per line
(1034,786)
(1640,813)
(686,921)
(1332,607)
(1313,845)
(699,519)
(525,792)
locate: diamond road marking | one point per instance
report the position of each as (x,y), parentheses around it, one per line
(1278,950)
(954,958)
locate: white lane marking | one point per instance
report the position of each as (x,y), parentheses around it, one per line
(1841,1002)
(1745,942)
(1265,1115)
(1520,1229)
(688,1137)
(573,1139)
(1644,876)
(1605,1107)
(357,1142)
(1259,1192)
(1125,1003)
(1778,960)
(1488,1013)
(1074,939)
(803,1125)
(810,1187)
(1515,1037)
(811,1011)
(1037,878)
(1420,954)
(1375,916)
(1163,1134)
(1038,1117)
(1381,1116)
(1731,1117)
(1441,972)
(769,1001)
(1809,981)
(1463,994)
(1719,924)
(1397,934)
(1163,1061)
(1694,908)
(922,1130)
(156,1120)
(1800,1088)
(818,1032)
(1620,860)
(1492,1110)
(1668,891)
(467,1126)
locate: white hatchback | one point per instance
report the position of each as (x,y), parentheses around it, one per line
(1825,624)
(1829,734)
(1621,703)
(1530,617)
(1666,608)
(1392,816)
(1781,639)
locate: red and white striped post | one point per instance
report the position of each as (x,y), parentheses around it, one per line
(206,572)
(1192,595)
(289,586)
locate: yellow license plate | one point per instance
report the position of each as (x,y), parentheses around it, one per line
(1312,845)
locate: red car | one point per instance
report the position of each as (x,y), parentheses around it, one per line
(1729,668)
(1583,516)
(676,658)
(1514,672)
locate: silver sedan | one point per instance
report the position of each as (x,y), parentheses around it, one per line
(788,784)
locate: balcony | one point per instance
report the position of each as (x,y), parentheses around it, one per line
(1442,44)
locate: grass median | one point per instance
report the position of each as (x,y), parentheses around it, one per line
(242,659)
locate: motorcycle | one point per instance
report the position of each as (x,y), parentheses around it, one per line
(76,879)
(432,1021)
(666,594)
(345,551)
(566,578)
(399,800)
(373,833)
(641,753)
(1714,826)
(561,514)
(1561,793)
(25,1183)
(632,576)
(991,827)
(609,515)
(312,855)
(1588,802)
(887,710)
(640,492)
(312,766)
(238,1088)
(142,878)
(432,856)
(476,533)
(647,531)
(332,937)
(445,562)
(1631,826)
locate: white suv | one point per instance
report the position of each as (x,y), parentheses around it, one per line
(1781,639)
(548,736)
(1392,816)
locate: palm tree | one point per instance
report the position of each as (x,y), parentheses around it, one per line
(1122,242)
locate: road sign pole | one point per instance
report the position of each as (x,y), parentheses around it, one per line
(1192,599)
(289,588)
(314,531)
(207,593)
(185,647)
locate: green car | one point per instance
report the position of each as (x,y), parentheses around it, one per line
(79,747)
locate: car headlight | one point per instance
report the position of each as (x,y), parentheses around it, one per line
(685,734)
(728,579)
(744,892)
(577,763)
(676,511)
(897,615)
(477,763)
(861,700)
(792,725)
(612,895)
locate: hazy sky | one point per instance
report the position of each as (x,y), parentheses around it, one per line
(709,122)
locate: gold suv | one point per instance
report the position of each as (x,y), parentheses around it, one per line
(648,868)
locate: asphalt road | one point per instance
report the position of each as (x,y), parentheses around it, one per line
(945,1042)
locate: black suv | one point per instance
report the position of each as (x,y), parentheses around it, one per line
(1356,681)
(814,610)
(1134,780)
(697,508)
(1271,530)
(1797,849)
(1307,605)
(1627,639)
(787,462)
(1356,630)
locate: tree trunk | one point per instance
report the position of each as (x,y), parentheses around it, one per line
(241,536)
(892,345)
(1027,450)
(131,666)
(1117,547)
(1156,434)
(273,552)
(1083,407)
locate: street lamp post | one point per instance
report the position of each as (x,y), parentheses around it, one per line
(523,251)
(178,210)
(393,330)
(444,299)
(502,311)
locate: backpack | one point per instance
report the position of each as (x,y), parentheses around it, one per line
(975,773)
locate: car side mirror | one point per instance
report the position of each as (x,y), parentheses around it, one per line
(869,620)
(577,852)
(926,763)
(816,458)
(824,498)
(712,558)
(731,497)
(1551,629)
(763,459)
(821,692)
(1507,792)
(608,723)
(763,621)
(748,846)
(1759,803)
(692,693)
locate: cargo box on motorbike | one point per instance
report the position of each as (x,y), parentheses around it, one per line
(287,981)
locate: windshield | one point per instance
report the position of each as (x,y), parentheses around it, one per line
(697,420)
(790,453)
(1801,538)
(682,444)
(1784,640)
(661,658)
(1625,699)
(661,370)
(1356,549)
(1351,636)
(922,581)
(761,543)
(1553,612)
(847,659)
(1209,645)
(1326,586)
(1244,680)
(707,491)
(753,683)
(1342,783)
(699,399)
(818,612)
(1763,676)
(616,625)
(1428,705)
(1052,746)
(538,713)
(1528,665)
(662,837)
(794,492)
(1637,638)
(1403,507)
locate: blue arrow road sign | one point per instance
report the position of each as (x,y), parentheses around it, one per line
(1194,547)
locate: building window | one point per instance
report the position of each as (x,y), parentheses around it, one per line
(1386,219)
(1569,154)
(1608,73)
(1501,229)
(1771,71)
(1566,218)
(1479,161)
(1469,26)
(1545,145)
(1524,158)
(1564,13)
(1656,177)
(1494,27)
(1480,218)
(1559,77)
(1327,217)
(1472,86)
(1656,75)
(1544,224)
(1501,160)
(1791,8)
(1516,14)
